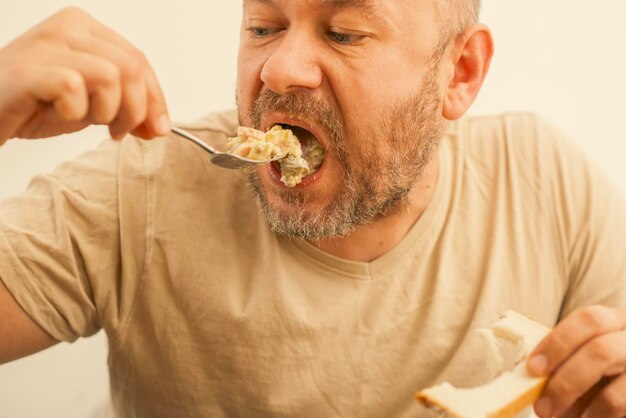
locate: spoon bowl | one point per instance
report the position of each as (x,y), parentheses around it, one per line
(223,159)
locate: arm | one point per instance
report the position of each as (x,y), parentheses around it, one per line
(62,75)
(19,334)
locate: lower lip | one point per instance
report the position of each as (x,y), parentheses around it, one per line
(275,175)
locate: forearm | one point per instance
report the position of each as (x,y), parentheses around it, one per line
(20,336)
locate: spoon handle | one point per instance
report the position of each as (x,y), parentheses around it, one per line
(195,140)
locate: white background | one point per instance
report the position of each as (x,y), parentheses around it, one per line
(564,59)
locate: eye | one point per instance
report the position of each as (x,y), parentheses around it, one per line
(259,32)
(345,38)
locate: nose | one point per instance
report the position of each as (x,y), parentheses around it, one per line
(293,65)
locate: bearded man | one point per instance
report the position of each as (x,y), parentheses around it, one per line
(226,293)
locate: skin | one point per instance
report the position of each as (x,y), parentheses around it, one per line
(69,72)
(381,48)
(586,357)
(73,72)
(276,61)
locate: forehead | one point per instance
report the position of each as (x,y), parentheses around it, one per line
(337,4)
(409,17)
(407,9)
(372,6)
(373,9)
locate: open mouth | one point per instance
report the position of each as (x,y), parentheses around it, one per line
(297,149)
(312,150)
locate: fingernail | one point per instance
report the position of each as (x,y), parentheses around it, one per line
(163,125)
(543,407)
(538,364)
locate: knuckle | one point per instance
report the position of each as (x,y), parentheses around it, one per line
(557,345)
(71,84)
(133,68)
(141,57)
(601,350)
(50,32)
(15,71)
(564,387)
(68,24)
(614,401)
(72,12)
(110,76)
(62,21)
(596,317)
(56,37)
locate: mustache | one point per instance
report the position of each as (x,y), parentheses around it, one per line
(303,106)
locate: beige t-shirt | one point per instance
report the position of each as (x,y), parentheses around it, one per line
(209,314)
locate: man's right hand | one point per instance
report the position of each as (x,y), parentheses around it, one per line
(70,71)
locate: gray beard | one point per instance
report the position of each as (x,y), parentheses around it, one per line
(372,186)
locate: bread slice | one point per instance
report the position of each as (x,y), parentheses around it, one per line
(513,337)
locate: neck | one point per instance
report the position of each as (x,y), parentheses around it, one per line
(368,242)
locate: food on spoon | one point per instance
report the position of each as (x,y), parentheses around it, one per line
(299,159)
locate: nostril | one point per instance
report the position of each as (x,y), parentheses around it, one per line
(290,70)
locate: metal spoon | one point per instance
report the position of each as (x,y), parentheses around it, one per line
(223,159)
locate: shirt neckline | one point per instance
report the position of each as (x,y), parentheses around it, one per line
(429,221)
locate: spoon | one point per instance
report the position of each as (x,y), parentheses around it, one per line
(223,159)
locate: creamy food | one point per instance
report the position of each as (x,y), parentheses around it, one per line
(298,159)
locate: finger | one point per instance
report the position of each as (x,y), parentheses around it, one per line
(45,123)
(158,120)
(105,90)
(133,106)
(583,403)
(102,79)
(611,402)
(133,110)
(71,101)
(571,333)
(60,87)
(583,370)
(132,63)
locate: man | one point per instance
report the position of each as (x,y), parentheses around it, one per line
(349,292)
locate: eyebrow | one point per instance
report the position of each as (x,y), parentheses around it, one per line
(366,5)
(342,4)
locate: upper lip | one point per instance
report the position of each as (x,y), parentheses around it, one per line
(280,119)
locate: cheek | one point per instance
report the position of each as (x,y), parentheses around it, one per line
(369,105)
(363,99)
(248,82)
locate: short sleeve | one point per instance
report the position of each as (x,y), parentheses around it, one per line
(591,213)
(60,244)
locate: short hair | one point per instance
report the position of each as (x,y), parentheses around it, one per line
(456,16)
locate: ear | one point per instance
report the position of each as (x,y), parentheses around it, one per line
(471,57)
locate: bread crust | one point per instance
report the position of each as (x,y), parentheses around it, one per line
(522,401)
(432,404)
(507,411)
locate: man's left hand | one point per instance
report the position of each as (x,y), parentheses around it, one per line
(586,357)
